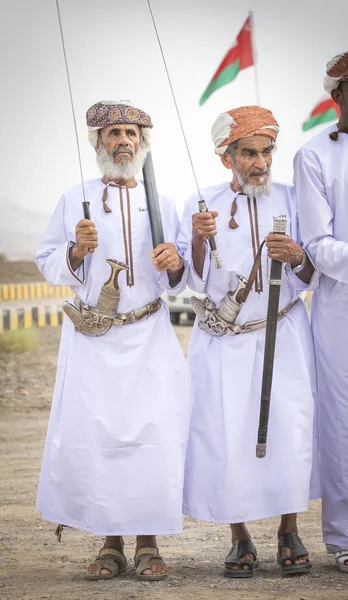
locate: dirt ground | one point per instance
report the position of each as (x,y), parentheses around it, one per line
(21,271)
(34,566)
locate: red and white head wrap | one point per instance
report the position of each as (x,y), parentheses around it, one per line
(242,122)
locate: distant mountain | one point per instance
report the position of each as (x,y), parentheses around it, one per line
(20,230)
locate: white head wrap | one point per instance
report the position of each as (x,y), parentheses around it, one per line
(332,83)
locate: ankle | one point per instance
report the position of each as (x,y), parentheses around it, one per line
(114,541)
(288,524)
(239,532)
(144,541)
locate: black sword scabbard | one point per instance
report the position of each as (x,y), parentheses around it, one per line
(152,202)
(212,243)
(279,226)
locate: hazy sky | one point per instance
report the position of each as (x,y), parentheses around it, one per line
(113,54)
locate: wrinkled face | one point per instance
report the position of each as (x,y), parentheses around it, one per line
(251,162)
(121,141)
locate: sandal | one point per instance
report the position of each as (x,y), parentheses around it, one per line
(341,557)
(292,541)
(112,560)
(235,556)
(142,559)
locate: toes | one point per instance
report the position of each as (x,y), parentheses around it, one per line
(301,560)
(157,568)
(93,569)
(287,563)
(104,572)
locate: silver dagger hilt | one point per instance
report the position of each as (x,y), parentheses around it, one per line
(212,243)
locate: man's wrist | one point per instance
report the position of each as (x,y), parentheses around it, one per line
(176,270)
(75,253)
(299,264)
(198,241)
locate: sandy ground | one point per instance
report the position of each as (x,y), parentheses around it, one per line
(34,566)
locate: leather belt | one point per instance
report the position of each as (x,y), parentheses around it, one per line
(255,325)
(223,326)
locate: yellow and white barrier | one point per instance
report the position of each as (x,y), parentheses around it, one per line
(32,316)
(31,291)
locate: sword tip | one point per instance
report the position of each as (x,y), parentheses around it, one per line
(261,450)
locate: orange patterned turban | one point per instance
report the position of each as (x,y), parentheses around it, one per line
(242,122)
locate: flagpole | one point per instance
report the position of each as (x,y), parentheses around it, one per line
(257,87)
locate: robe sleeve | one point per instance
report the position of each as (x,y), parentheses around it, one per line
(52,255)
(292,277)
(194,281)
(171,228)
(300,285)
(329,255)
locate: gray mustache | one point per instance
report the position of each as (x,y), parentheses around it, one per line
(122,148)
(260,172)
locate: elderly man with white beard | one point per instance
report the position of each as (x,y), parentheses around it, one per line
(114,457)
(224,480)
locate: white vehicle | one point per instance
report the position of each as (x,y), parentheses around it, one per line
(179,305)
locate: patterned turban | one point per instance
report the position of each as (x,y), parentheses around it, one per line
(110,112)
(336,71)
(242,122)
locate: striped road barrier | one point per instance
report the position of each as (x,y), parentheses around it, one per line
(32,316)
(32,291)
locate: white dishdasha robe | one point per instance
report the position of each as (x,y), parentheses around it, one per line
(114,455)
(224,481)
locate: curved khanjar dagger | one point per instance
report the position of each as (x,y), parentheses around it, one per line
(201,203)
(97,320)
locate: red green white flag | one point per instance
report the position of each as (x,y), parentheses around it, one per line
(326,110)
(239,57)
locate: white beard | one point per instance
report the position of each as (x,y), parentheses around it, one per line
(255,191)
(125,169)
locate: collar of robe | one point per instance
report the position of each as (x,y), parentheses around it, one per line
(127,235)
(254,232)
(334,135)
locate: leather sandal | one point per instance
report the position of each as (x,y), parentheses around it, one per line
(235,557)
(112,560)
(143,560)
(292,541)
(341,557)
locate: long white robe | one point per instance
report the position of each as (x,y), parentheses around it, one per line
(321,177)
(114,454)
(224,481)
